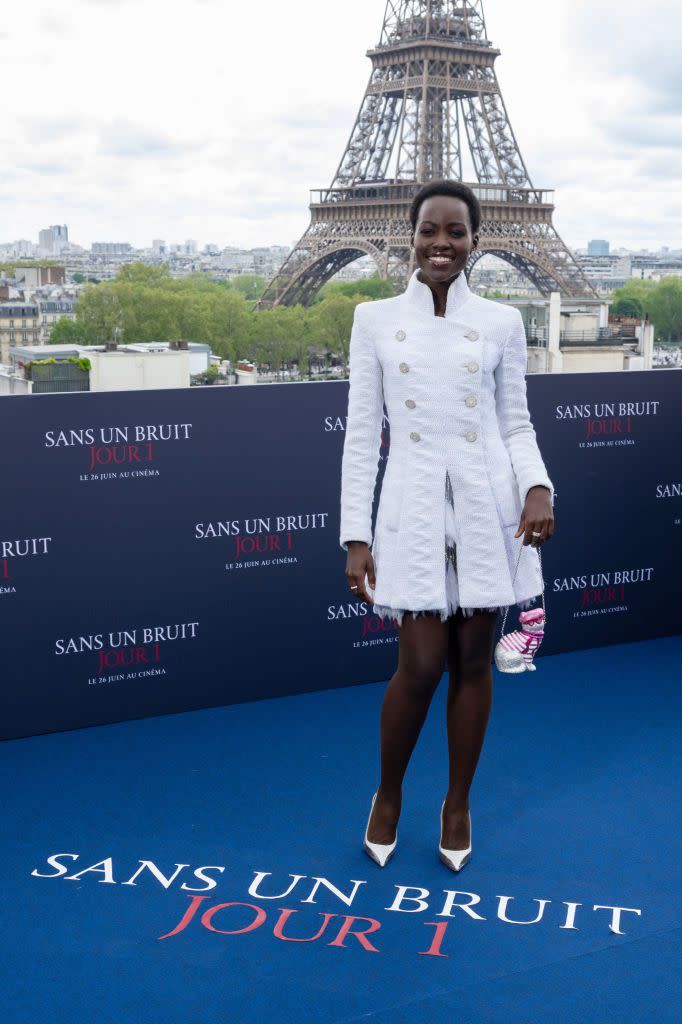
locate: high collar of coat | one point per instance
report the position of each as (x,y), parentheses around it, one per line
(420,296)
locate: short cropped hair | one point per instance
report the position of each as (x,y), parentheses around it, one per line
(447,187)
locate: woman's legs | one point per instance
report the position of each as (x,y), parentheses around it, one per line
(423,650)
(469,659)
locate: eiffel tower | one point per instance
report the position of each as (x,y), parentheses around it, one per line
(432,101)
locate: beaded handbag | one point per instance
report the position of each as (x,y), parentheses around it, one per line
(514,652)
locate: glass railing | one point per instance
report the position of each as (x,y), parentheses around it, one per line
(403,192)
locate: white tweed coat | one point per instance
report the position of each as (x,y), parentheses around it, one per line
(455,394)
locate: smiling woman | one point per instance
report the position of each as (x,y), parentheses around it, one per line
(446,254)
(465,494)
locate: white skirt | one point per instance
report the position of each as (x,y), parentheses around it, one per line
(450,568)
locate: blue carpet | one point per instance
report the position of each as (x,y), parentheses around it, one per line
(576,800)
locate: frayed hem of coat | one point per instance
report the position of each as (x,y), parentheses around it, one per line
(384,612)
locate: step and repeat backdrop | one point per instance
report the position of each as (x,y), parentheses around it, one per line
(162,551)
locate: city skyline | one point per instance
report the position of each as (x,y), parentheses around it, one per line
(235,138)
(199,246)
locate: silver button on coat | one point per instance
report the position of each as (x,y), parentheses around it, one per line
(415,436)
(400,335)
(404,368)
(410,403)
(489,478)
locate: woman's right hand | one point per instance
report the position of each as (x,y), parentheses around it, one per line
(358,565)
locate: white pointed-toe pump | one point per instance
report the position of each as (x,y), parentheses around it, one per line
(455,859)
(379,852)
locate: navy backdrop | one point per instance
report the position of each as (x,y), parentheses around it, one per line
(175,549)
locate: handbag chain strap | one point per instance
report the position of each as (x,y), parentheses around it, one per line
(506,611)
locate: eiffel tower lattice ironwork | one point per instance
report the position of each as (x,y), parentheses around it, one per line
(432,101)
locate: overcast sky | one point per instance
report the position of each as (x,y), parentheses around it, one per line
(212,120)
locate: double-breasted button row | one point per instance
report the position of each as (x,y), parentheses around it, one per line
(472,335)
(472,367)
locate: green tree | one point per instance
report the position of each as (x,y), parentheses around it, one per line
(374,287)
(69,332)
(100,312)
(633,298)
(251,286)
(303,337)
(142,273)
(148,313)
(230,321)
(281,336)
(660,302)
(333,320)
(145,304)
(665,308)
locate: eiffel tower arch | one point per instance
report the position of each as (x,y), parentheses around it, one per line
(432,103)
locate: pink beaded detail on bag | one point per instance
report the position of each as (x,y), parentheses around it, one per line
(514,652)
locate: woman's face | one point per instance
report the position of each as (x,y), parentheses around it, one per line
(443,229)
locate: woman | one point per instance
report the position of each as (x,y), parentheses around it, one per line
(463,482)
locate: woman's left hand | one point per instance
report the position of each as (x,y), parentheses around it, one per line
(537,516)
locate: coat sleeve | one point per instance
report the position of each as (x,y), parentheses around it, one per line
(362,441)
(513,415)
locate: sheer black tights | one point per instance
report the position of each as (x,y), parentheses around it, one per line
(427,646)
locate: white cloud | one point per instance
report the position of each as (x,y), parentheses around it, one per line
(130,121)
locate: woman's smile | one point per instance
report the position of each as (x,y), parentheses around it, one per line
(440,262)
(443,240)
